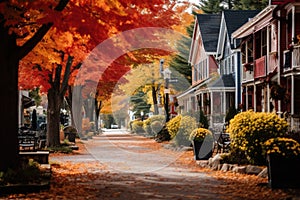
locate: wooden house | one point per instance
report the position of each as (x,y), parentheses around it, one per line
(270,50)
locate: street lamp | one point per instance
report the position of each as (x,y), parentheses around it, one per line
(167,75)
(142,115)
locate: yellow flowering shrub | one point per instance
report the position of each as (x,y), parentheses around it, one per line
(249,130)
(180,128)
(173,125)
(199,134)
(137,126)
(148,123)
(281,146)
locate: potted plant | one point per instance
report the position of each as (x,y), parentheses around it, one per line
(202,141)
(277,91)
(283,162)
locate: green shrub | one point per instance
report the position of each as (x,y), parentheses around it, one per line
(173,126)
(149,121)
(147,126)
(63,148)
(137,127)
(249,130)
(156,127)
(26,173)
(186,125)
(163,135)
(130,125)
(232,111)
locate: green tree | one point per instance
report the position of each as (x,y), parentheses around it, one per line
(139,103)
(211,6)
(216,6)
(249,4)
(179,62)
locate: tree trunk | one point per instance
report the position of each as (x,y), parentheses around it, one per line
(53,116)
(77,108)
(69,101)
(154,98)
(89,108)
(98,106)
(9,63)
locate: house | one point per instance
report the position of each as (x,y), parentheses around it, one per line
(229,58)
(270,50)
(202,59)
(215,65)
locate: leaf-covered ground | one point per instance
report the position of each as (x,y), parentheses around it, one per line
(94,180)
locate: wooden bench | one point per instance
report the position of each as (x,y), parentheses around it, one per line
(41,157)
(28,143)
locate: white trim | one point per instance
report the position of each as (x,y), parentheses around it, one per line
(250,25)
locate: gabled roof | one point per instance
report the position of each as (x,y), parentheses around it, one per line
(226,80)
(209,25)
(236,18)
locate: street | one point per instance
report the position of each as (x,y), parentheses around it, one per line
(118,165)
(139,169)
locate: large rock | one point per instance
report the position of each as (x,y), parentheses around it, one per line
(215,161)
(239,169)
(263,173)
(225,167)
(251,169)
(202,163)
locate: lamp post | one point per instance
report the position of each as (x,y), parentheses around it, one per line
(167,75)
(142,115)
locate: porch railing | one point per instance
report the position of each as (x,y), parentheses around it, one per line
(260,67)
(291,58)
(248,73)
(296,56)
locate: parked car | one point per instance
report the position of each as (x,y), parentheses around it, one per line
(114,126)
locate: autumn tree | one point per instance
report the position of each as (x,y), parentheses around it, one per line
(54,60)
(24,24)
(20,32)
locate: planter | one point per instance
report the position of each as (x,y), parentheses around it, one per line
(202,150)
(283,172)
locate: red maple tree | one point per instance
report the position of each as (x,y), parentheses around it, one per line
(23,24)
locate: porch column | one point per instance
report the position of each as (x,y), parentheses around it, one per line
(211,107)
(268,99)
(254,97)
(292,100)
(201,101)
(224,103)
(246,91)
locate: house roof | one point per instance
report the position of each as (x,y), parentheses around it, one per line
(192,88)
(209,25)
(236,18)
(226,80)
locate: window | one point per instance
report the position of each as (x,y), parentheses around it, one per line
(201,70)
(243,53)
(249,51)
(195,73)
(263,42)
(273,37)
